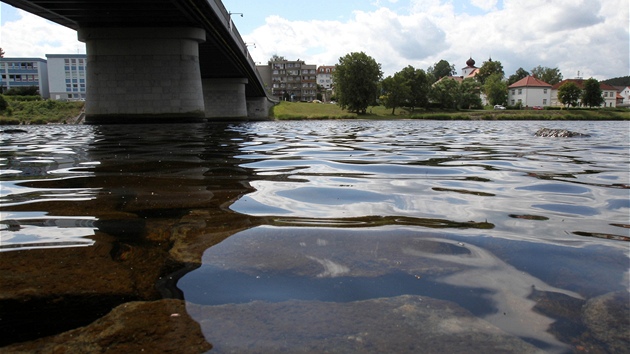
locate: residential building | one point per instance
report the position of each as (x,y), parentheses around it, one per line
(67,76)
(623,96)
(529,92)
(325,77)
(290,80)
(609,93)
(24,72)
(309,83)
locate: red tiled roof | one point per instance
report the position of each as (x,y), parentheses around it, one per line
(529,81)
(580,84)
(473,73)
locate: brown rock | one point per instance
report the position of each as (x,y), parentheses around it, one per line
(150,327)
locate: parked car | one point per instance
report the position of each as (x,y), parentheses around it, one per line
(498,106)
(537,108)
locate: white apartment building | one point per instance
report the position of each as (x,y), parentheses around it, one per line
(325,77)
(67,76)
(24,72)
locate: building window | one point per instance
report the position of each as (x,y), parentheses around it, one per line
(605,93)
(520,92)
(545,91)
(544,101)
(513,92)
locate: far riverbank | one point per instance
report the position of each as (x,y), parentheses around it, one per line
(302,110)
(57,112)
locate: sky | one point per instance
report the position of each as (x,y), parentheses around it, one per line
(586,36)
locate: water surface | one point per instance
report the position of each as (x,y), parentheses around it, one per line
(483,215)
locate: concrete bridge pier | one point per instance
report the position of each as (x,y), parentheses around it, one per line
(225,98)
(258,108)
(137,75)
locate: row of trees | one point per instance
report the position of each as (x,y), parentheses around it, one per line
(359,83)
(570,94)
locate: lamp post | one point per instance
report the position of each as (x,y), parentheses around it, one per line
(230,18)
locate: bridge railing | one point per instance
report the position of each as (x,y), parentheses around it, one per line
(229,24)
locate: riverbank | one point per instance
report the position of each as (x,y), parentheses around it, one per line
(57,112)
(302,110)
(32,111)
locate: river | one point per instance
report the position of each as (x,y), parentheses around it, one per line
(313,236)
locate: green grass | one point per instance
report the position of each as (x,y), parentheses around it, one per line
(302,110)
(38,112)
(49,111)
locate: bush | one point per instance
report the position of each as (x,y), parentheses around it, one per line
(3,104)
(23,91)
(23,98)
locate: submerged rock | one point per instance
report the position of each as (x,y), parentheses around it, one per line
(608,318)
(559,133)
(135,327)
(13,131)
(403,324)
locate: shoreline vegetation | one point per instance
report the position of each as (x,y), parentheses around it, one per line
(23,112)
(302,110)
(26,110)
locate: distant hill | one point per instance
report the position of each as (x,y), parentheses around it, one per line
(618,81)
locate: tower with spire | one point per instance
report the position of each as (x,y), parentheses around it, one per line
(470,68)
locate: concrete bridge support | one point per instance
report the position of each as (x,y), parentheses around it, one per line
(137,75)
(225,98)
(258,108)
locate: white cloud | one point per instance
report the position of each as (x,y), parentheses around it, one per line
(572,35)
(33,36)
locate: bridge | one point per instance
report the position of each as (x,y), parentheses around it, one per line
(160,60)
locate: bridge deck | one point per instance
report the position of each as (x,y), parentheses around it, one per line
(223,55)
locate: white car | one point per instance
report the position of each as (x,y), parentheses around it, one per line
(498,106)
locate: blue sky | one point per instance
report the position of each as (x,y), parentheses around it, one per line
(255,12)
(589,36)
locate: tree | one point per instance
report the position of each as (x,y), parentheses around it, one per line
(569,94)
(419,84)
(592,93)
(489,68)
(441,69)
(276,58)
(618,81)
(3,104)
(444,93)
(495,89)
(469,94)
(356,81)
(520,74)
(551,76)
(23,91)
(396,91)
